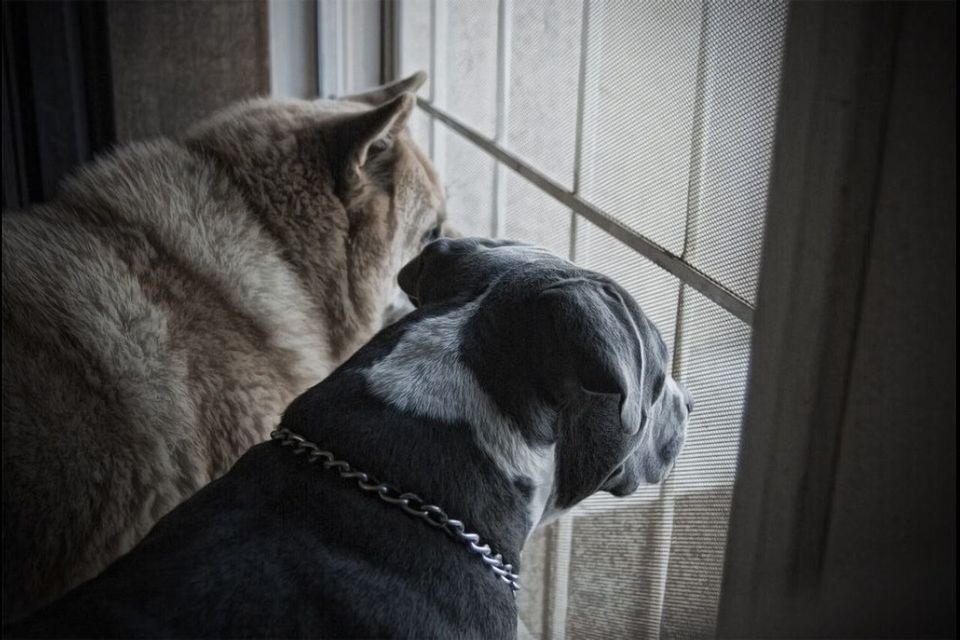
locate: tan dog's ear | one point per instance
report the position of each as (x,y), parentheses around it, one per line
(351,139)
(381,94)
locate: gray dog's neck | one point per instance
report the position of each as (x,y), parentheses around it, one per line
(428,374)
(406,410)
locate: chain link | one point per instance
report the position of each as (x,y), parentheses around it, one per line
(411,503)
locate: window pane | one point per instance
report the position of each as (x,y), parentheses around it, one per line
(616,572)
(467,176)
(639,110)
(713,358)
(533,598)
(544,71)
(415,39)
(533,216)
(714,354)
(744,42)
(419,126)
(468,53)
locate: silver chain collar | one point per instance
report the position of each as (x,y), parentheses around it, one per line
(411,503)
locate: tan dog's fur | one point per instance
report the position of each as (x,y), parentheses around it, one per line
(161,312)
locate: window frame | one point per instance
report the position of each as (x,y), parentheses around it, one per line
(559,540)
(837,76)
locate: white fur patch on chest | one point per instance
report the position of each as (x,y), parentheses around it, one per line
(424,376)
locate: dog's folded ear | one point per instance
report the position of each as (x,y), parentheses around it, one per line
(590,340)
(381,94)
(444,269)
(353,138)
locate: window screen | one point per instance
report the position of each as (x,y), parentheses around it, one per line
(634,138)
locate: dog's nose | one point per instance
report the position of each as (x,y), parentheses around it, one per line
(687,399)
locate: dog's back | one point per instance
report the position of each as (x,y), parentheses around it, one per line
(278,548)
(130,305)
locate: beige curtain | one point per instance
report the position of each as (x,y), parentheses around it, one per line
(175,61)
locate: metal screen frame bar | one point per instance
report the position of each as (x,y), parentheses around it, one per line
(504,9)
(667,261)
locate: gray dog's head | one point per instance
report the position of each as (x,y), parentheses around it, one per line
(575,395)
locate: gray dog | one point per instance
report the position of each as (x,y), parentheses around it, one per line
(522,385)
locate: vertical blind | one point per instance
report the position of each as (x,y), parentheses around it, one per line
(634,138)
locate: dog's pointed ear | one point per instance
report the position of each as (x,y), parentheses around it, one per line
(383,93)
(354,138)
(592,342)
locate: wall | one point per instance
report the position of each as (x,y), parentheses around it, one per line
(175,61)
(890,556)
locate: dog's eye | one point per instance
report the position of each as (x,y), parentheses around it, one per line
(378,146)
(432,234)
(613,477)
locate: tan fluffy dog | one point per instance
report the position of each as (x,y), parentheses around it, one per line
(161,312)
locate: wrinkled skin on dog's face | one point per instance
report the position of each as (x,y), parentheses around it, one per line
(570,354)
